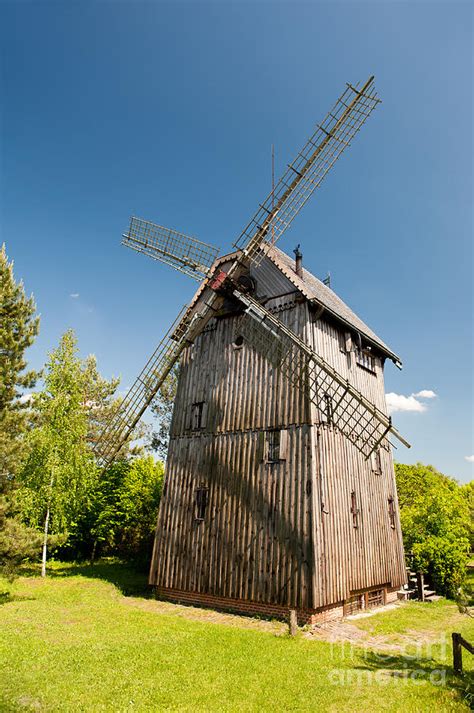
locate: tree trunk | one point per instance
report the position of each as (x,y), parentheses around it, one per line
(46,527)
(45,543)
(94,548)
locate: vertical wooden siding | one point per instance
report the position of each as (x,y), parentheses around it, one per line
(255,540)
(275,533)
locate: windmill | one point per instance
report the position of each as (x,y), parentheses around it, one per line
(227,286)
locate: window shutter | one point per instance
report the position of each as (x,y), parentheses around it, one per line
(204,415)
(261,443)
(283,444)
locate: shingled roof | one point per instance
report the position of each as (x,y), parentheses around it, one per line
(316,291)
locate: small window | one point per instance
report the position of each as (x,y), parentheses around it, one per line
(201,503)
(354,509)
(391,512)
(274,441)
(345,342)
(365,359)
(376,461)
(375,598)
(238,341)
(198,416)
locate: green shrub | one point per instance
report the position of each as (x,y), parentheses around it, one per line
(436,525)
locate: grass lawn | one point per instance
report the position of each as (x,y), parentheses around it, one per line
(85,639)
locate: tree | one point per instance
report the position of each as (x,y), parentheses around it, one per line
(139,498)
(435,524)
(120,516)
(59,471)
(162,408)
(18,328)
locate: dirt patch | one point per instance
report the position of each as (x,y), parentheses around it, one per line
(344,631)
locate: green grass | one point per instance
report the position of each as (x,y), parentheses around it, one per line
(78,641)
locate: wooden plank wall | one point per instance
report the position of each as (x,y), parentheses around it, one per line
(256,540)
(276,533)
(240,387)
(371,554)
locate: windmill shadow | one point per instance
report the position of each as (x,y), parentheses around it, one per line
(129,580)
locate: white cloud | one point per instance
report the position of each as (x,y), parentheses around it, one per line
(469,458)
(425,394)
(74,295)
(398,402)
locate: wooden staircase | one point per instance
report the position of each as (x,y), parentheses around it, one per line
(417,589)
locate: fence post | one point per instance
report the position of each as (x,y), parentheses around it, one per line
(420,583)
(457,652)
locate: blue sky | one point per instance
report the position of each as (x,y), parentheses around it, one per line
(168,111)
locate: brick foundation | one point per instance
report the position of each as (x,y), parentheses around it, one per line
(248,608)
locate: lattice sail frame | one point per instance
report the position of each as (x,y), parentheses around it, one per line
(142,391)
(338,402)
(309,168)
(183,253)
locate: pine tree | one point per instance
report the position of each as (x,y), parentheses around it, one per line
(18,328)
(59,472)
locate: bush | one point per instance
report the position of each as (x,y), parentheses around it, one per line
(435,524)
(17,542)
(121,515)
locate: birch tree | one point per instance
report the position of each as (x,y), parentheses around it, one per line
(59,472)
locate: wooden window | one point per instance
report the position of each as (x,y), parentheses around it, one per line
(198,415)
(365,359)
(238,342)
(375,598)
(391,512)
(277,445)
(345,342)
(367,599)
(202,497)
(354,510)
(273,446)
(376,461)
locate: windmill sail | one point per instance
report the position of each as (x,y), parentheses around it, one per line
(338,402)
(180,251)
(311,165)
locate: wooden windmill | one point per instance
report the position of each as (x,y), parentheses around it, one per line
(280,490)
